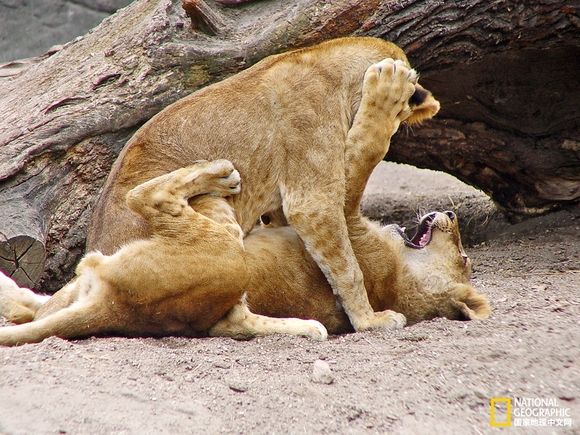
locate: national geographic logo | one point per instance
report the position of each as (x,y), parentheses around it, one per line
(528,412)
(503,407)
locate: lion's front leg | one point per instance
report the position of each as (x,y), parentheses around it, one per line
(386,93)
(241,323)
(387,89)
(318,219)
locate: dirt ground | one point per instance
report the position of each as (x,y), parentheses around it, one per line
(436,377)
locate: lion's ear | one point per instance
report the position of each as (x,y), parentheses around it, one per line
(423,106)
(472,305)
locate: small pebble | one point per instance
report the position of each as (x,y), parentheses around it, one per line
(222,364)
(321,373)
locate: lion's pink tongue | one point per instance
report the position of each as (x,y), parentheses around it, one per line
(425,238)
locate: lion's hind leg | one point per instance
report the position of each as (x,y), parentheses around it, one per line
(76,321)
(88,314)
(17,304)
(168,194)
(241,323)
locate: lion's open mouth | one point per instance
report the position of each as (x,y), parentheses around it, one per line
(423,234)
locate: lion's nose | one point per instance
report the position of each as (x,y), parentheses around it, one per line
(450,215)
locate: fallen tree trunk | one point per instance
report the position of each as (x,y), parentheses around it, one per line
(505,73)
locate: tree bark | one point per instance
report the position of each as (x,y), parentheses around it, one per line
(505,72)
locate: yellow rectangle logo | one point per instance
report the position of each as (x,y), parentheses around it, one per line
(493,402)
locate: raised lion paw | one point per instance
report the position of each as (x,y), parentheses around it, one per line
(223,178)
(217,177)
(387,88)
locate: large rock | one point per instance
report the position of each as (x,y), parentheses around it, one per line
(30,27)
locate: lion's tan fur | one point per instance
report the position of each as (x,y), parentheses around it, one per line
(188,275)
(187,278)
(286,125)
(420,284)
(283,280)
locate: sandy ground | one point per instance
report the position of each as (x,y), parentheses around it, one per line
(434,377)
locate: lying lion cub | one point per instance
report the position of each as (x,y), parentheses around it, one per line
(422,277)
(288,125)
(190,276)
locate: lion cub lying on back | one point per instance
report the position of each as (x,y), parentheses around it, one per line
(421,278)
(189,278)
